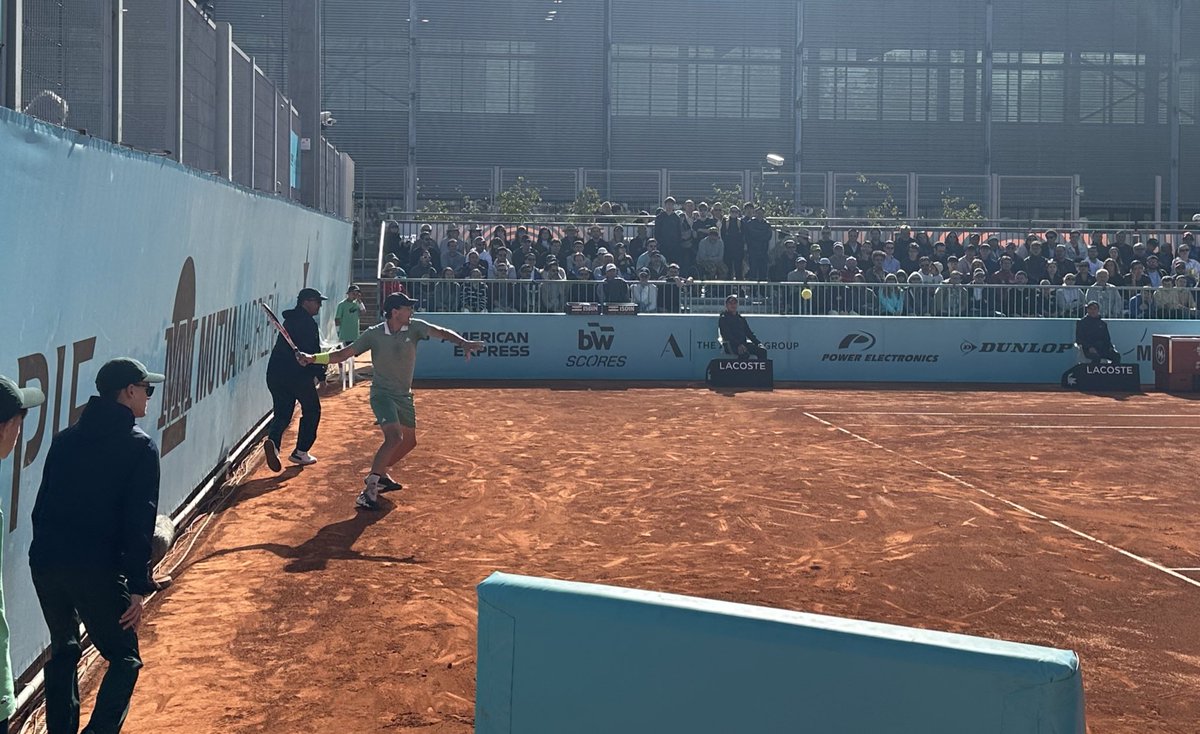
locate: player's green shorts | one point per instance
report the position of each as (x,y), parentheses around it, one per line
(391,407)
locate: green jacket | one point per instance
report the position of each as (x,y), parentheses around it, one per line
(8,699)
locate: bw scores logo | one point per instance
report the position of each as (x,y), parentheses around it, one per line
(596,344)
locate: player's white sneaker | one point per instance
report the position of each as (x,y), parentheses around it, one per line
(302,458)
(368,499)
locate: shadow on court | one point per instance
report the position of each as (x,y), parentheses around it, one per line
(334,542)
(259,487)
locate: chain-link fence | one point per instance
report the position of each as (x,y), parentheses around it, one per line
(179,97)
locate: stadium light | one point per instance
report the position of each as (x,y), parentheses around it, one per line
(774,160)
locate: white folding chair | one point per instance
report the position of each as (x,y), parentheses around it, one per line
(346,373)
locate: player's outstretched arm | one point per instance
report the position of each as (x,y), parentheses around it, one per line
(449,335)
(333,357)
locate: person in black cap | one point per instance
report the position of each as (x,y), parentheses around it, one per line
(90,556)
(735,334)
(393,348)
(1092,338)
(15,402)
(291,383)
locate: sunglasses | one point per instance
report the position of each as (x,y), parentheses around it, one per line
(147,387)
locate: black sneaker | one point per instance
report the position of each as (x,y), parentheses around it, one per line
(272,453)
(368,499)
(389,485)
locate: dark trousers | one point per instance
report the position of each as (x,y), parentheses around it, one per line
(98,599)
(1095,354)
(752,350)
(285,393)
(735,262)
(758,263)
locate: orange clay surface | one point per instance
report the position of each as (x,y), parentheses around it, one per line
(296,613)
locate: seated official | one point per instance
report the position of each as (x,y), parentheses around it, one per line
(1091,336)
(734,332)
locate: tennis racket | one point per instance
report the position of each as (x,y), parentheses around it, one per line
(279,327)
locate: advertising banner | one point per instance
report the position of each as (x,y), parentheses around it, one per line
(803,348)
(107,252)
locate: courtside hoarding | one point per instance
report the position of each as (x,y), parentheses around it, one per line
(107,252)
(803,348)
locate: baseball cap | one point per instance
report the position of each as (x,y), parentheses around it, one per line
(610,267)
(14,399)
(353,289)
(644,271)
(426,228)
(731,297)
(122,372)
(398,300)
(309,294)
(824,261)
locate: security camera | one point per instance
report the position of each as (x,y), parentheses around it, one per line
(327,120)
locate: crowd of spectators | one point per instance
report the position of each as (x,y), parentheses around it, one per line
(659,258)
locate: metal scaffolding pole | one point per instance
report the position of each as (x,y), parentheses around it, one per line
(10,53)
(410,186)
(1173,113)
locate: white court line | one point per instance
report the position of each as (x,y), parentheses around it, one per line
(1185,569)
(1005,426)
(1014,505)
(1022,415)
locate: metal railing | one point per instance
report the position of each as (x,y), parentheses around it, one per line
(815,298)
(160,76)
(809,193)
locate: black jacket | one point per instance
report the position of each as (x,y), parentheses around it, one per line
(1092,332)
(303,329)
(735,330)
(98,499)
(758,234)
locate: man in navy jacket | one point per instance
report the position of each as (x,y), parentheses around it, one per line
(90,556)
(290,383)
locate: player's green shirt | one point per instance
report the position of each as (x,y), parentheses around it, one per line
(347,317)
(393,356)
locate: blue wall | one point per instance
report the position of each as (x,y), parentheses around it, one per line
(107,252)
(804,348)
(557,656)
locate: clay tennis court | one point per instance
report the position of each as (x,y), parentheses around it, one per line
(951,510)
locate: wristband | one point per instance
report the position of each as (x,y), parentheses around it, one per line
(322,358)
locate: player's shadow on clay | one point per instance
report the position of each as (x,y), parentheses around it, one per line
(334,542)
(258,487)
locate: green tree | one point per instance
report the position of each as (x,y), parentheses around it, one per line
(887,209)
(520,199)
(728,197)
(586,204)
(957,214)
(773,205)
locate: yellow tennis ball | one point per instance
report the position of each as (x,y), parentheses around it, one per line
(806,294)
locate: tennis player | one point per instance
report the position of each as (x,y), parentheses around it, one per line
(393,347)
